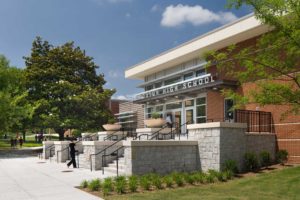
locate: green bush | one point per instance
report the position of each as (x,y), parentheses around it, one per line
(133,183)
(107,186)
(189,178)
(145,182)
(157,182)
(120,184)
(265,158)
(168,180)
(199,177)
(250,161)
(212,176)
(155,115)
(178,179)
(228,174)
(230,165)
(84,184)
(94,185)
(281,156)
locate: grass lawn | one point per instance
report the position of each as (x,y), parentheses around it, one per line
(279,184)
(5,144)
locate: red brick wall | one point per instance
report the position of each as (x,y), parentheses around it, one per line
(215,106)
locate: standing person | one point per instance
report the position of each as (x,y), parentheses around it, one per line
(72,154)
(21,142)
(169,120)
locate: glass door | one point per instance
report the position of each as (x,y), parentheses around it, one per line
(177,121)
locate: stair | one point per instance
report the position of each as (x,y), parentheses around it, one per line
(112,167)
(83,163)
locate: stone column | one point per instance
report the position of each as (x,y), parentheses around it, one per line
(46,148)
(218,142)
(117,135)
(61,151)
(93,147)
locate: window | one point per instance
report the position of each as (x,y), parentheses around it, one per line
(172,80)
(149,111)
(158,85)
(172,106)
(148,87)
(200,72)
(201,110)
(188,103)
(228,109)
(159,108)
(188,76)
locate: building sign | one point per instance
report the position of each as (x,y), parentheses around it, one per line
(181,86)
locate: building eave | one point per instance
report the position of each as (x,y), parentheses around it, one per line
(244,28)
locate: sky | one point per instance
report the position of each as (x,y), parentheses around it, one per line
(116,33)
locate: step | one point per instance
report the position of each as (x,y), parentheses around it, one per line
(113,170)
(114,165)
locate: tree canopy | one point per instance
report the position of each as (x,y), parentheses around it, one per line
(64,82)
(273,60)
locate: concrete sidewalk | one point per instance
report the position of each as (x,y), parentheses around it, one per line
(28,178)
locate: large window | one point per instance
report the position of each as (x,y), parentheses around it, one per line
(188,76)
(172,80)
(200,72)
(172,106)
(201,110)
(148,87)
(149,110)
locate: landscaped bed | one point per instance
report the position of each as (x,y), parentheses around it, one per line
(276,182)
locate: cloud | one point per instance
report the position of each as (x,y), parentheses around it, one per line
(155,8)
(113,74)
(128,15)
(100,2)
(174,16)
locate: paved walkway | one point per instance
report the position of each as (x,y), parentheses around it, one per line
(29,178)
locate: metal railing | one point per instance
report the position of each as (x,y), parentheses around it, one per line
(114,153)
(178,129)
(50,147)
(104,150)
(68,148)
(257,121)
(111,135)
(152,135)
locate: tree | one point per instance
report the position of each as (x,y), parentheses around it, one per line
(14,110)
(63,80)
(273,61)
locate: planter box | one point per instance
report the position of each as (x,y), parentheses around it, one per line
(112,127)
(155,123)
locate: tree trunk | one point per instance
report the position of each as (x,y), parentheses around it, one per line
(24,135)
(60,132)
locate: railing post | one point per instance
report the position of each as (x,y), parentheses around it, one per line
(117,162)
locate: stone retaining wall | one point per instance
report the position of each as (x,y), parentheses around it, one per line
(92,147)
(162,157)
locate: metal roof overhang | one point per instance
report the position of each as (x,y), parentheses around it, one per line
(191,92)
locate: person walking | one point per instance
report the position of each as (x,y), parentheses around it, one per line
(72,154)
(21,142)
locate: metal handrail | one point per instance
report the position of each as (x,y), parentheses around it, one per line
(50,155)
(156,134)
(112,134)
(103,150)
(179,127)
(50,147)
(75,144)
(111,154)
(152,135)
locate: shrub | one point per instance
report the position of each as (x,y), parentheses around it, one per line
(155,115)
(178,179)
(168,180)
(94,185)
(265,158)
(212,176)
(281,156)
(230,165)
(145,182)
(189,178)
(199,177)
(156,181)
(133,183)
(228,174)
(120,184)
(251,162)
(84,184)
(107,186)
